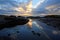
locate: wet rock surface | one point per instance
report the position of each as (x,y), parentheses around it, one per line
(35,33)
(52,20)
(38,34)
(12,21)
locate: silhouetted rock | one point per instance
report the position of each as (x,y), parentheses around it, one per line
(52,16)
(52,20)
(33,17)
(12,21)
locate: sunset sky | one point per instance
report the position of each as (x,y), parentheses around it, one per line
(38,6)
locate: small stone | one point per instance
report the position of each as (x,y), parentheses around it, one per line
(17,31)
(38,34)
(9,34)
(33,32)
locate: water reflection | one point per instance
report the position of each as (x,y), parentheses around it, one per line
(29,24)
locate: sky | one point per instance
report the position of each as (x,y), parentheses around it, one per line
(38,6)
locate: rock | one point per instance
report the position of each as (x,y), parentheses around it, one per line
(38,34)
(33,32)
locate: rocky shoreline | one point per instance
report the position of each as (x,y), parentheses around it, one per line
(12,21)
(52,20)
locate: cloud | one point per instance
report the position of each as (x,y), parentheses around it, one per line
(8,6)
(11,7)
(48,7)
(53,9)
(39,3)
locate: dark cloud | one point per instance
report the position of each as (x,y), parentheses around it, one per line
(10,2)
(48,7)
(7,6)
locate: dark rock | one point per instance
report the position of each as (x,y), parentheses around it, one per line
(38,34)
(12,21)
(5,38)
(52,20)
(9,34)
(17,31)
(33,32)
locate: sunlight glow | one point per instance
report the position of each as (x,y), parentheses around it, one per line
(21,9)
(29,7)
(29,23)
(27,10)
